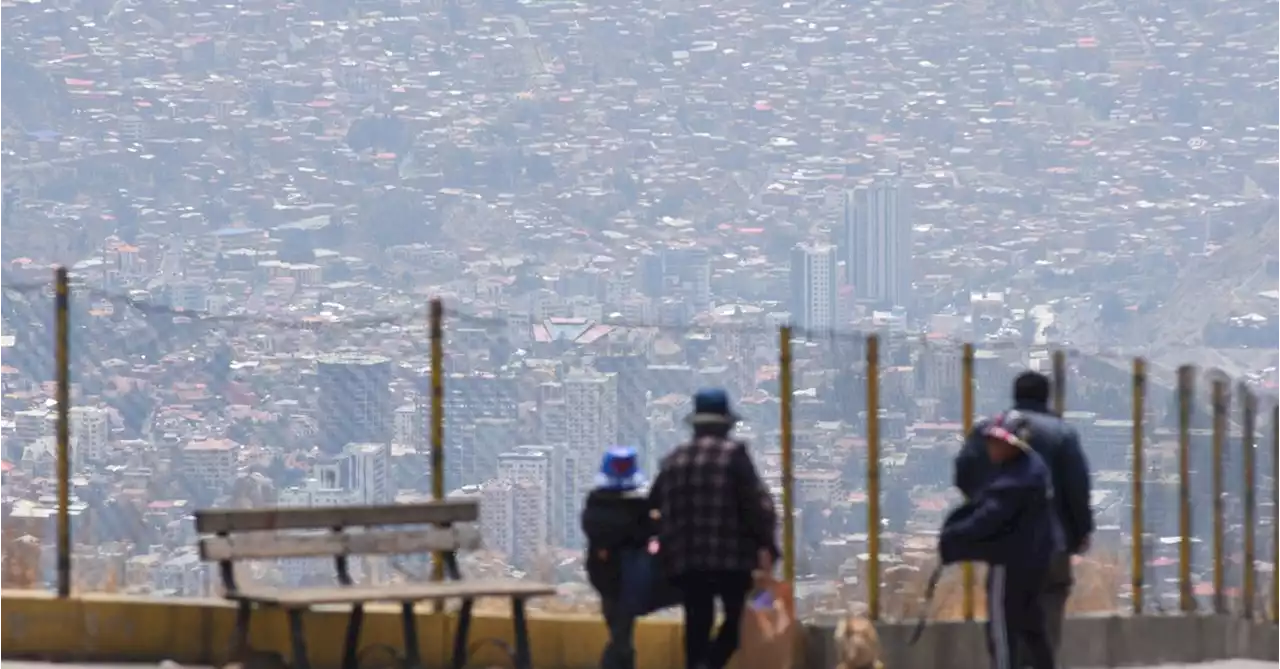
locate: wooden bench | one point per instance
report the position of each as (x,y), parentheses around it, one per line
(325,532)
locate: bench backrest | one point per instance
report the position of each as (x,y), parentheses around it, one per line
(258,534)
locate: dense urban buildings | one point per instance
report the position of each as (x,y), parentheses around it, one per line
(619,203)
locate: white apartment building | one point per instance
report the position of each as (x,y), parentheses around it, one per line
(367,473)
(542,464)
(591,425)
(531,527)
(211,462)
(184,575)
(531,466)
(813,287)
(498,517)
(818,486)
(591,408)
(90,432)
(31,424)
(406,428)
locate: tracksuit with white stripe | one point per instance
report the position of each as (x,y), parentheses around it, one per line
(1010,524)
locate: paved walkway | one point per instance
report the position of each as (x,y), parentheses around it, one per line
(1229,664)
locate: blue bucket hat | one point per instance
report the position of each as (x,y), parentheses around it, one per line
(711,407)
(620,470)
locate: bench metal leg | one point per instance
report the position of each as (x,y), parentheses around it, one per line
(351,649)
(460,637)
(522,659)
(240,637)
(412,654)
(299,638)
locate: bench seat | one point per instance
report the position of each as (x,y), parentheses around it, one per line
(401,592)
(443,528)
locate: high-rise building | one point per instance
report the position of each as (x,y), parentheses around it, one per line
(591,406)
(529,463)
(359,475)
(355,400)
(498,516)
(490,438)
(813,286)
(90,431)
(408,427)
(633,414)
(467,399)
(650,275)
(534,463)
(529,506)
(366,469)
(876,242)
(591,424)
(513,520)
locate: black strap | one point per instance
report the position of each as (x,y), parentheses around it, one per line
(925,603)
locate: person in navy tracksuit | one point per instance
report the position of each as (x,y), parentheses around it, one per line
(1009,522)
(1058,443)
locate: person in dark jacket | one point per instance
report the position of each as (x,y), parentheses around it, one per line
(1058,445)
(617,522)
(717,525)
(1010,523)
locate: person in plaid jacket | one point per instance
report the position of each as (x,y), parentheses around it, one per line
(717,526)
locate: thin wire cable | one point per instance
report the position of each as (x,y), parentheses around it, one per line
(207,319)
(817,336)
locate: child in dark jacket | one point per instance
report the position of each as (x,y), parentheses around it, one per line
(618,525)
(1010,524)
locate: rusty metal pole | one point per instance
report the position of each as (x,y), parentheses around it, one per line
(873,477)
(966,421)
(62,361)
(1221,399)
(1186,387)
(1138,491)
(1248,420)
(786,397)
(437,418)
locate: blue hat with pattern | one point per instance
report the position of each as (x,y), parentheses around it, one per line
(620,470)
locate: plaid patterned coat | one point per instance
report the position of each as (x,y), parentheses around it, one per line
(716,512)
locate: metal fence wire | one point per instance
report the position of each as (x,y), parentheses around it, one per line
(175,401)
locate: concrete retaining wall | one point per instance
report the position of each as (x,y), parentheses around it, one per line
(116,628)
(1110,641)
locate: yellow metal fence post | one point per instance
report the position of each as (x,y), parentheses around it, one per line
(1220,400)
(966,421)
(873,477)
(1138,567)
(1186,387)
(437,418)
(785,397)
(1248,421)
(62,360)
(1059,382)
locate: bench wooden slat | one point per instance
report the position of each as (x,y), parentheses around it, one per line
(400,592)
(214,521)
(270,545)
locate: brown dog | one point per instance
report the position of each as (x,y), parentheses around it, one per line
(857,644)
